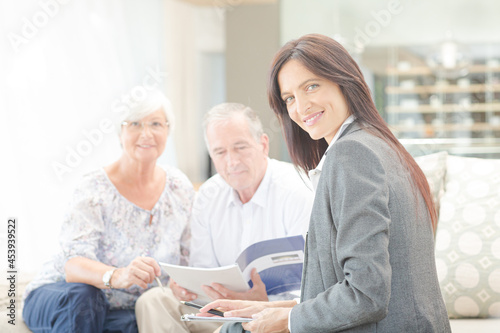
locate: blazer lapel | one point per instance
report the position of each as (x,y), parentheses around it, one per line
(351,128)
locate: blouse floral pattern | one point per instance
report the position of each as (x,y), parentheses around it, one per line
(103,225)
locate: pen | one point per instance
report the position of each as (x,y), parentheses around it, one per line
(156,278)
(159,283)
(212,311)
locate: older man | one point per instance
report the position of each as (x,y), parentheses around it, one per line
(252,198)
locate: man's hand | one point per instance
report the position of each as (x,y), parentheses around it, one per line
(257,293)
(180,293)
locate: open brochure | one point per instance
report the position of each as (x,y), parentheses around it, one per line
(192,278)
(279,262)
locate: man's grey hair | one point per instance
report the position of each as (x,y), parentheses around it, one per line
(153,101)
(226,111)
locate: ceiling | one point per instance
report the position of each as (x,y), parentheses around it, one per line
(227,3)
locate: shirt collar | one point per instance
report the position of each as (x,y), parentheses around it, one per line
(344,125)
(259,197)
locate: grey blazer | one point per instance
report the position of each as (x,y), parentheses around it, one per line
(369,260)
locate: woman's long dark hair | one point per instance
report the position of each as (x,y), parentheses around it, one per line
(328,59)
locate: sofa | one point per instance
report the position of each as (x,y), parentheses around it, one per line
(467,193)
(467,248)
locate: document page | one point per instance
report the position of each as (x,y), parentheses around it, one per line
(192,278)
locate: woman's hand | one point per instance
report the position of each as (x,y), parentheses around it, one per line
(141,271)
(257,293)
(180,293)
(234,308)
(267,316)
(270,320)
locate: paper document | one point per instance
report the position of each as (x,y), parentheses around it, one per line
(192,278)
(193,317)
(278,261)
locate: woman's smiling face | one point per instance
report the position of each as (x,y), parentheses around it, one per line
(144,143)
(314,103)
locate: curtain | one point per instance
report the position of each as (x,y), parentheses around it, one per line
(66,69)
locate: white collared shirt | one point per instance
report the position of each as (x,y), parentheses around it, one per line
(316,173)
(222,226)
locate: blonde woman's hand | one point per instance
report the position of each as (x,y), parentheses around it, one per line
(141,271)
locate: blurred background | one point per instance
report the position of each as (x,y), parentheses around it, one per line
(68,69)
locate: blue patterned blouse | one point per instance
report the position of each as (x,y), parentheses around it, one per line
(103,225)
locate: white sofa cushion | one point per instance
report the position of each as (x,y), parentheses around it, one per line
(490,325)
(434,168)
(468,238)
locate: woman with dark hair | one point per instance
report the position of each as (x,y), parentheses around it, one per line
(369,258)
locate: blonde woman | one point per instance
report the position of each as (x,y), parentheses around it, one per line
(122,219)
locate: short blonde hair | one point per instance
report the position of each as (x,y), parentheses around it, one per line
(153,101)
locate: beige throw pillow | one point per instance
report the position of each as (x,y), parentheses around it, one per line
(468,238)
(434,168)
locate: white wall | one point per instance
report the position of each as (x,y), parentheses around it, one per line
(58,85)
(191,32)
(64,69)
(417,21)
